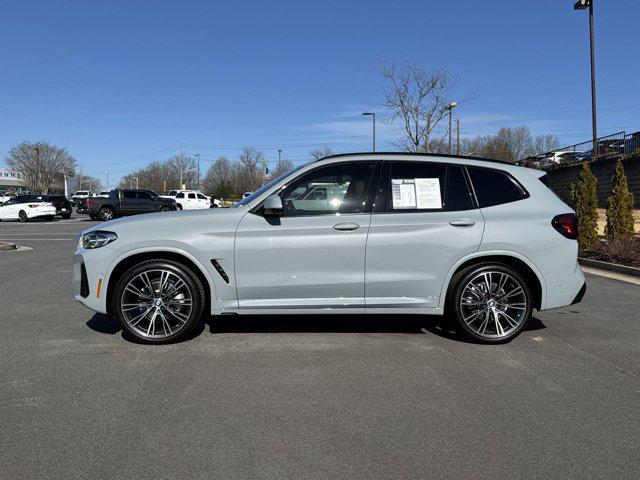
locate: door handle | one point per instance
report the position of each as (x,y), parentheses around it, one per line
(462,222)
(346,226)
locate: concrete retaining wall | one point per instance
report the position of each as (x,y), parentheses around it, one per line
(560,179)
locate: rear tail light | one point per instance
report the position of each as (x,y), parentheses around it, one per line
(566,224)
(88,204)
(33,205)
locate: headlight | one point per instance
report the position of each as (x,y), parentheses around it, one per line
(96,239)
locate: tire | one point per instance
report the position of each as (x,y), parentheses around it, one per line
(178,207)
(156,319)
(105,214)
(49,218)
(94,217)
(22,216)
(66,216)
(164,209)
(490,303)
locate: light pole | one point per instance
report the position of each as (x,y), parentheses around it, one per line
(131,182)
(450,107)
(107,174)
(198,155)
(581,5)
(279,155)
(372,114)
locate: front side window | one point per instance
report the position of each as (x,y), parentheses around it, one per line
(494,187)
(145,196)
(201,197)
(180,195)
(340,188)
(128,194)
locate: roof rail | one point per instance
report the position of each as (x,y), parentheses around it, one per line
(420,154)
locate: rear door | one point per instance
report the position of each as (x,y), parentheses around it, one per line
(129,203)
(424,220)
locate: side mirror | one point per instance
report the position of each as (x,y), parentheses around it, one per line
(272,205)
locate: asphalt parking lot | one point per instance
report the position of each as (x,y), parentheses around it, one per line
(349,397)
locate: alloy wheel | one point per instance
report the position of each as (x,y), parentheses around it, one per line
(493,304)
(22,215)
(156,303)
(106,214)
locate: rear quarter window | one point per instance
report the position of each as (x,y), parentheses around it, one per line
(494,187)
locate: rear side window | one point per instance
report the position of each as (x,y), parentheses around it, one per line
(494,187)
(192,196)
(180,195)
(423,186)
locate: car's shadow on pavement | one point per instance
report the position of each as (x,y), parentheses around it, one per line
(354,323)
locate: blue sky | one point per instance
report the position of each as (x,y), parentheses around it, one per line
(120,83)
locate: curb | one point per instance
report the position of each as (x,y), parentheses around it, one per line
(6,246)
(610,267)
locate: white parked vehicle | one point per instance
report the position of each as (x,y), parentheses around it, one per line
(483,242)
(27,207)
(5,197)
(189,199)
(104,194)
(80,195)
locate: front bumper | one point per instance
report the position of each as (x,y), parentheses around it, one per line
(89,269)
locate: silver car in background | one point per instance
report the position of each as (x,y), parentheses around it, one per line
(481,241)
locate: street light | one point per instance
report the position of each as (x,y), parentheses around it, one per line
(131,182)
(582,5)
(372,114)
(450,107)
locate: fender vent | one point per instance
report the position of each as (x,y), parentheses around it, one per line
(220,270)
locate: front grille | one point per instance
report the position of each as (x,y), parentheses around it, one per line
(84,282)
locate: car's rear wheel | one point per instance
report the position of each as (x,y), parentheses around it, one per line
(178,206)
(106,214)
(164,209)
(66,216)
(158,301)
(94,217)
(22,216)
(490,303)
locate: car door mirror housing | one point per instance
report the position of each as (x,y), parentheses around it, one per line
(272,205)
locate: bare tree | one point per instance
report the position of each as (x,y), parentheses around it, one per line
(219,179)
(40,163)
(249,172)
(545,143)
(418,98)
(185,171)
(318,153)
(283,166)
(86,182)
(509,144)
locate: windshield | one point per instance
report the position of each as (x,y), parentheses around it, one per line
(266,187)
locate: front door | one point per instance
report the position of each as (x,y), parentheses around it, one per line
(424,221)
(313,255)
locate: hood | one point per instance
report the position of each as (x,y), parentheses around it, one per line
(174,221)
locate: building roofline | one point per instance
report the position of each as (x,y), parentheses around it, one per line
(416,154)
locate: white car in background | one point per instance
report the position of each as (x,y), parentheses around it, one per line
(5,197)
(103,194)
(27,207)
(80,195)
(189,199)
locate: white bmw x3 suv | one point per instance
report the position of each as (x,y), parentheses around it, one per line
(482,241)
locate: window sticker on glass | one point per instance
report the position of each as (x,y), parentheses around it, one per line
(416,193)
(404,193)
(428,193)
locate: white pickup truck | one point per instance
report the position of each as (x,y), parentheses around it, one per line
(191,199)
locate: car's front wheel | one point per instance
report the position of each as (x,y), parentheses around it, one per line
(158,301)
(490,303)
(106,214)
(22,216)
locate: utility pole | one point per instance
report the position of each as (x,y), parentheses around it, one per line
(180,168)
(198,155)
(107,174)
(450,107)
(581,5)
(279,155)
(428,134)
(373,116)
(457,136)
